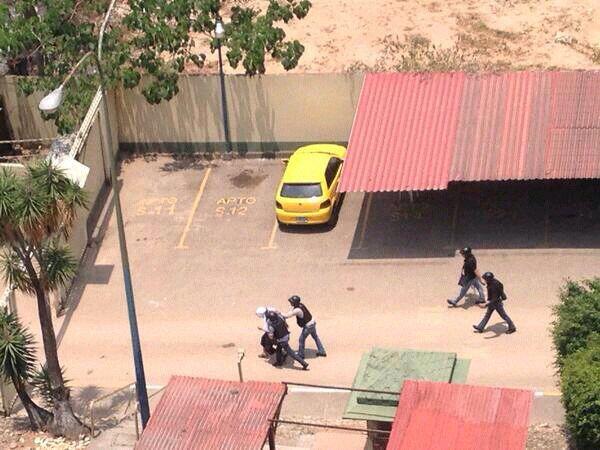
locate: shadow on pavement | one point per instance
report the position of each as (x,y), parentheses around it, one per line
(498,329)
(485,215)
(89,272)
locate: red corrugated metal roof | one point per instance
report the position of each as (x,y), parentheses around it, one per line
(403,132)
(443,416)
(200,413)
(511,126)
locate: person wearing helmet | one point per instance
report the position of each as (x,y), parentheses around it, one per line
(469,277)
(278,331)
(495,297)
(305,320)
(266,342)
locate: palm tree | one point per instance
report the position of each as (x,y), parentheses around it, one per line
(17,356)
(37,209)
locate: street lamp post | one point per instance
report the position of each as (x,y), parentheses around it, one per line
(219,34)
(49,104)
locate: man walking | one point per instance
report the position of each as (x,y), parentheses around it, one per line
(496,296)
(469,277)
(278,331)
(305,321)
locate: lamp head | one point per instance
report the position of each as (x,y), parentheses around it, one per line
(52,101)
(219,30)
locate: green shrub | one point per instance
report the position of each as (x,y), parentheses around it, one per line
(576,317)
(580,384)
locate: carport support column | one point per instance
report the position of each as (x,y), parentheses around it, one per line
(455,217)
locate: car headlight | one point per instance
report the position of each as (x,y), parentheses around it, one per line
(325,204)
(278,205)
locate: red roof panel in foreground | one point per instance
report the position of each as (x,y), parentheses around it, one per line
(422,131)
(200,413)
(443,416)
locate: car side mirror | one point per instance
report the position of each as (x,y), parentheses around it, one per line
(285,160)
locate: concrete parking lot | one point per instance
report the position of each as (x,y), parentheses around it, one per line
(205,251)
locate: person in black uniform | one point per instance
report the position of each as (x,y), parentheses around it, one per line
(469,277)
(495,297)
(305,320)
(278,331)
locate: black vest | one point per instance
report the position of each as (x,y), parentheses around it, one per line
(280,327)
(306,316)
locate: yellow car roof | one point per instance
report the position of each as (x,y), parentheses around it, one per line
(308,164)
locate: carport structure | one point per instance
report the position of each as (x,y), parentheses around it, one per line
(415,132)
(427,132)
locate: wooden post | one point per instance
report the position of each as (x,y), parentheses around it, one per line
(271,437)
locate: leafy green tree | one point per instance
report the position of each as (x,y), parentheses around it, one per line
(37,208)
(580,384)
(17,354)
(45,38)
(576,317)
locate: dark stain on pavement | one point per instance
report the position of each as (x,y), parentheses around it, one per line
(229,345)
(247,178)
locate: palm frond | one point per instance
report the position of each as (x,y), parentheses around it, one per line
(63,195)
(17,348)
(31,210)
(59,264)
(40,380)
(9,191)
(14,273)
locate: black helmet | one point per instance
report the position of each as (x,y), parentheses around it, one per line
(270,314)
(294,300)
(488,276)
(465,251)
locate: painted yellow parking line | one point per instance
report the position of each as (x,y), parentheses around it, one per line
(188,225)
(363,228)
(271,245)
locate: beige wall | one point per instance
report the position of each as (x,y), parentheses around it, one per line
(23,114)
(268,108)
(92,156)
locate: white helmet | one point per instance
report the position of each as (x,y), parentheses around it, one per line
(260,311)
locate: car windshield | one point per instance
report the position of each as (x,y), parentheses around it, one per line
(301,190)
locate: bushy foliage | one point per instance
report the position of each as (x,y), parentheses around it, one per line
(44,39)
(576,317)
(580,383)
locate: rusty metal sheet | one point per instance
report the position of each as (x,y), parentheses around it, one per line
(201,413)
(443,416)
(403,133)
(422,131)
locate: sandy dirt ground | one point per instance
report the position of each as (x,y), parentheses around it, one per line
(196,291)
(341,35)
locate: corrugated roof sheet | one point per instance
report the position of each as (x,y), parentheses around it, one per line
(442,416)
(200,413)
(419,132)
(403,132)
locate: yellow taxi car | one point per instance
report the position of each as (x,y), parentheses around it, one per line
(307,193)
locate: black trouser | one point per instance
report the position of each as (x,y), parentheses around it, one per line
(283,349)
(268,344)
(499,308)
